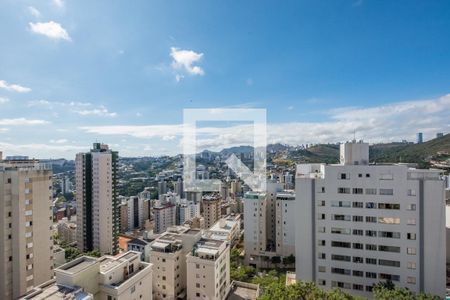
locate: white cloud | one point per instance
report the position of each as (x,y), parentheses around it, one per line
(101,111)
(13,87)
(21,121)
(3,100)
(386,123)
(60,141)
(184,60)
(81,108)
(4,130)
(34,11)
(50,29)
(58,3)
(41,150)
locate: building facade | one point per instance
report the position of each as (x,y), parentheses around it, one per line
(211,209)
(26,245)
(359,224)
(98,213)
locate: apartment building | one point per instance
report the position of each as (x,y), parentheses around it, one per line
(168,255)
(164,215)
(226,229)
(98,214)
(186,211)
(269,222)
(67,231)
(26,245)
(123,212)
(285,223)
(211,209)
(359,224)
(122,277)
(208,266)
(135,212)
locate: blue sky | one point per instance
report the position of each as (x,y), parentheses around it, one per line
(121,72)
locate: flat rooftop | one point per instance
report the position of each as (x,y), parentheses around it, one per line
(78,264)
(52,291)
(243,291)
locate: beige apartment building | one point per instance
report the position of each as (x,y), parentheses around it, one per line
(168,256)
(67,231)
(98,212)
(208,266)
(211,209)
(26,245)
(123,277)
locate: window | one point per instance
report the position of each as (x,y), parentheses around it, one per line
(389,263)
(358,219)
(369,288)
(340,257)
(371,205)
(385,248)
(371,275)
(371,247)
(321,242)
(411,251)
(337,230)
(341,217)
(371,191)
(411,192)
(340,203)
(371,261)
(133,289)
(367,175)
(411,265)
(411,236)
(389,277)
(358,232)
(387,192)
(343,190)
(321,230)
(344,176)
(388,220)
(323,189)
(411,280)
(322,269)
(411,206)
(358,260)
(358,273)
(358,191)
(197,285)
(340,271)
(371,233)
(388,206)
(389,234)
(359,246)
(412,221)
(321,255)
(321,217)
(358,205)
(321,203)
(322,282)
(371,219)
(340,244)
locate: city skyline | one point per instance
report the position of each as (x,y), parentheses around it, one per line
(124,76)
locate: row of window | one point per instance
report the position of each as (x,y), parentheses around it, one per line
(370,233)
(369,219)
(369,205)
(370,247)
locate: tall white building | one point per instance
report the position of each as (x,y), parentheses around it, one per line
(168,255)
(359,224)
(285,223)
(98,213)
(186,211)
(164,216)
(26,245)
(208,266)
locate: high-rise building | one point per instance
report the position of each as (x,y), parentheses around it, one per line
(98,213)
(164,215)
(135,212)
(285,223)
(208,265)
(168,255)
(359,224)
(120,277)
(123,211)
(26,245)
(211,209)
(419,138)
(162,187)
(67,231)
(439,135)
(186,211)
(178,187)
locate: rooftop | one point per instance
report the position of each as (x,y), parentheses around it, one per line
(52,291)
(78,265)
(243,291)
